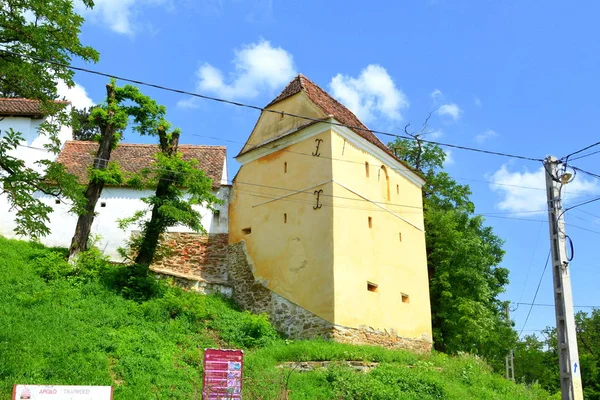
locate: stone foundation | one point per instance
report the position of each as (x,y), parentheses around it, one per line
(207,265)
(193,256)
(288,318)
(198,286)
(296,322)
(368,335)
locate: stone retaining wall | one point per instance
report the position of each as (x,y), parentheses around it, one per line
(296,322)
(207,264)
(196,256)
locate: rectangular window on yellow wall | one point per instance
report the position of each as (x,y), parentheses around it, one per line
(372,287)
(285,218)
(367,168)
(285,167)
(405,298)
(400,236)
(370,222)
(247,231)
(397,189)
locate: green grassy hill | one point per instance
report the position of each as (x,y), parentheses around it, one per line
(88,327)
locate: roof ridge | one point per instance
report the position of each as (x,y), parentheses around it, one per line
(90,142)
(30,100)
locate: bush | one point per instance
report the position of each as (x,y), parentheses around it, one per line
(135,282)
(91,265)
(51,265)
(244,329)
(176,303)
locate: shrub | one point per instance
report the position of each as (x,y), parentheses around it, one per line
(135,282)
(91,265)
(245,329)
(176,303)
(51,265)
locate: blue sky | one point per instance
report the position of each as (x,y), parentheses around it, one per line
(515,77)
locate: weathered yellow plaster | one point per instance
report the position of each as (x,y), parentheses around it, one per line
(377,254)
(293,258)
(271,125)
(322,259)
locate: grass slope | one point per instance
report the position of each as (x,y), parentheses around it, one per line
(81,331)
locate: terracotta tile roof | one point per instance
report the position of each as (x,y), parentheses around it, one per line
(22,107)
(77,156)
(331,107)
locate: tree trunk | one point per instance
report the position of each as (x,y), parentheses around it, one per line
(157,224)
(81,237)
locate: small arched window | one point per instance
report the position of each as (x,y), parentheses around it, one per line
(384,183)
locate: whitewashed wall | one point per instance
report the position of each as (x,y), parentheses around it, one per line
(32,147)
(118,203)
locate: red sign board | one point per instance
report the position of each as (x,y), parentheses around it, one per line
(222,374)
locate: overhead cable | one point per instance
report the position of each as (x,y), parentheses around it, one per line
(536,293)
(263,109)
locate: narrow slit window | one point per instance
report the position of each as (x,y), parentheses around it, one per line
(372,287)
(57,201)
(247,231)
(217,216)
(370,222)
(367,168)
(405,298)
(285,167)
(400,236)
(103,204)
(285,218)
(397,189)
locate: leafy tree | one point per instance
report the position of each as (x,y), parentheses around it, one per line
(84,127)
(180,185)
(462,257)
(588,342)
(537,361)
(48,30)
(111,118)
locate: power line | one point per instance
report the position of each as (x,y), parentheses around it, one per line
(580,150)
(537,239)
(263,109)
(586,172)
(588,213)
(581,204)
(585,155)
(484,214)
(551,305)
(536,293)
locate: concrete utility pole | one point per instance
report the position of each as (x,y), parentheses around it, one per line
(568,356)
(510,358)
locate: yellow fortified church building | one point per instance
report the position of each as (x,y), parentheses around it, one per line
(326,227)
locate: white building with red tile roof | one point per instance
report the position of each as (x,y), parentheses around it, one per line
(25,116)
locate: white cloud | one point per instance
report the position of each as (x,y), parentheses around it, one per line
(449,160)
(119,15)
(188,103)
(485,135)
(451,110)
(525,191)
(434,135)
(372,94)
(436,95)
(259,67)
(477,102)
(77,95)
